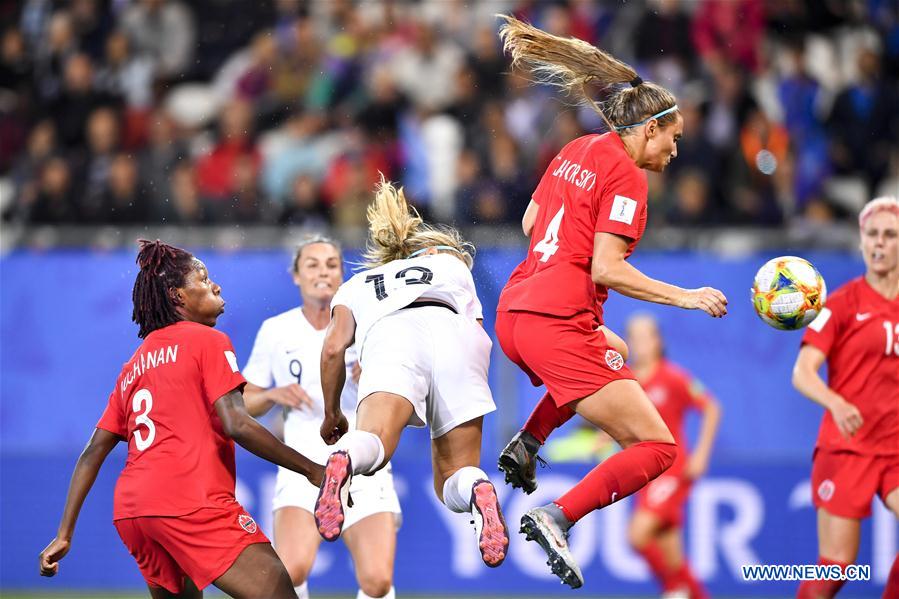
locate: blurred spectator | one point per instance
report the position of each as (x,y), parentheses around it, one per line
(215,170)
(164,31)
(304,205)
(77,100)
(730,31)
(27,168)
(16,68)
(864,123)
(246,205)
(184,207)
(427,72)
(123,201)
(53,203)
(162,154)
(92,168)
(91,25)
(690,204)
(662,38)
(125,74)
(52,55)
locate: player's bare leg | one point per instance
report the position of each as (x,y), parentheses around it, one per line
(257,573)
(838,537)
(380,420)
(190,591)
(464,488)
(296,542)
(838,541)
(372,543)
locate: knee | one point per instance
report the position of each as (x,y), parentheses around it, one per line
(638,536)
(375,584)
(298,568)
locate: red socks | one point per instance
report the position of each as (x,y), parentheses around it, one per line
(617,477)
(892,589)
(672,580)
(823,589)
(546,418)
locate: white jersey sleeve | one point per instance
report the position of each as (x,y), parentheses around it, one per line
(258,370)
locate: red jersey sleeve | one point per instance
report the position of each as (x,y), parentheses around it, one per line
(218,366)
(823,331)
(621,201)
(113,418)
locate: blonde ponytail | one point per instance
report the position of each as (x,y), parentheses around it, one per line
(572,65)
(396,230)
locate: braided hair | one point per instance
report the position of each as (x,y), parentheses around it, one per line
(163,268)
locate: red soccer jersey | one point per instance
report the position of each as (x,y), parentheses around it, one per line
(592,186)
(674,391)
(858,331)
(179,458)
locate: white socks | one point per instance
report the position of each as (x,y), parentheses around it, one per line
(302,591)
(457,488)
(391,594)
(365,449)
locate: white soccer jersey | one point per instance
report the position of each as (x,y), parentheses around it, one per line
(288,350)
(373,294)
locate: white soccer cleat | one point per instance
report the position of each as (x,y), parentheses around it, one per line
(539,526)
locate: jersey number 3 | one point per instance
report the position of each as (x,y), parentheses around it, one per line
(143,400)
(424,278)
(549,245)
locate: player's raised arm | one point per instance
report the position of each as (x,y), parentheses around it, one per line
(808,381)
(610,268)
(257,439)
(339,336)
(86,469)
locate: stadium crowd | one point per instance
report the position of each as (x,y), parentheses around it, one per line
(284,111)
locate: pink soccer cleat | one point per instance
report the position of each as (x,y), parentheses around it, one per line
(493,536)
(333,496)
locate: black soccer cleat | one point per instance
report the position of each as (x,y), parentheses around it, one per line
(518,461)
(538,525)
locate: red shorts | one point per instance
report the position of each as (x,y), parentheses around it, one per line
(666,497)
(844,483)
(568,355)
(201,545)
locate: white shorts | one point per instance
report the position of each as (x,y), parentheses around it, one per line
(371,495)
(436,359)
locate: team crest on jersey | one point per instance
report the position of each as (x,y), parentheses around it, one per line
(247,523)
(614,359)
(826,489)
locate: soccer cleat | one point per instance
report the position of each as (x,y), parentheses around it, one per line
(333,496)
(489,524)
(519,464)
(537,525)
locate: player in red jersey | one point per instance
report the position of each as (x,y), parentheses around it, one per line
(178,404)
(656,526)
(857,452)
(586,217)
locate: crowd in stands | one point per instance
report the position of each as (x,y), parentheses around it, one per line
(285,111)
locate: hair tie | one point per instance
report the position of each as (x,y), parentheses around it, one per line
(636,81)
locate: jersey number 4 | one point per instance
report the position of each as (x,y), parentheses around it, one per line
(425,275)
(549,245)
(142,403)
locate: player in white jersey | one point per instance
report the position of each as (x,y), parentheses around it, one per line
(415,317)
(283,369)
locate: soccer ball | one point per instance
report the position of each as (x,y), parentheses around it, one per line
(788,293)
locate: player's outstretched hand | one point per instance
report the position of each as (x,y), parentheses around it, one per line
(708,299)
(334,426)
(292,396)
(50,556)
(847,417)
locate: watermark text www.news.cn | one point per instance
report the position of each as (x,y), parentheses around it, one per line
(799,572)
